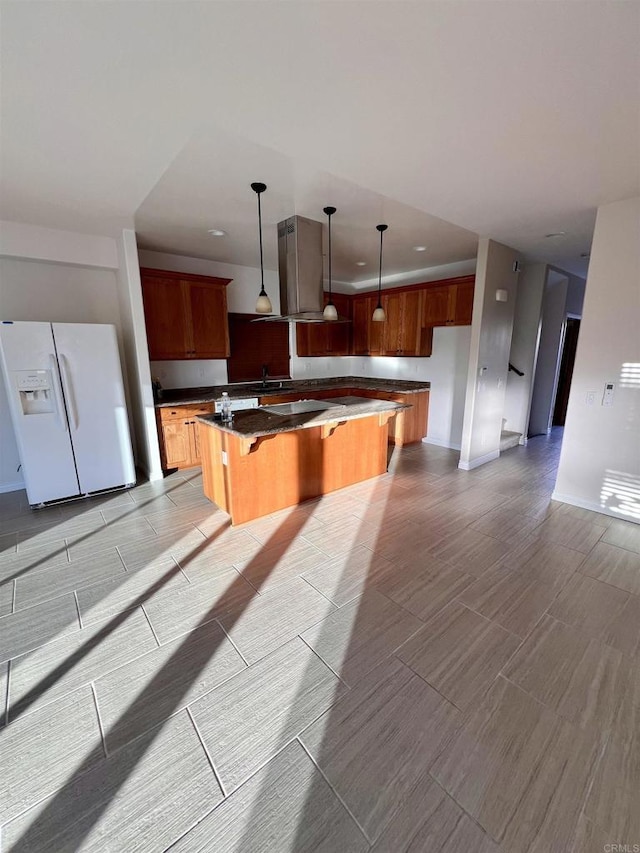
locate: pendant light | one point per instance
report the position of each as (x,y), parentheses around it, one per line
(330,312)
(379,315)
(263,305)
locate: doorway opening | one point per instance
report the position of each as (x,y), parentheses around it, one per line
(572,330)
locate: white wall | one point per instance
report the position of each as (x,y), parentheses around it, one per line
(35,290)
(553,323)
(134,337)
(575,295)
(600,459)
(20,240)
(488,354)
(524,347)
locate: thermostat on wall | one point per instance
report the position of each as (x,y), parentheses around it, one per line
(607,397)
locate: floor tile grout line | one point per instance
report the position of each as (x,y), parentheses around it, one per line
(463,812)
(279,749)
(99,717)
(146,616)
(117,549)
(230,638)
(580,631)
(206,752)
(77,603)
(323,661)
(335,793)
(326,597)
(7,693)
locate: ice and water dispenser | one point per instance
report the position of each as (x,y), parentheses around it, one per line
(35,388)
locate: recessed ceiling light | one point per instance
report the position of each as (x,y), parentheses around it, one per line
(217,232)
(555,234)
(419,248)
(361,263)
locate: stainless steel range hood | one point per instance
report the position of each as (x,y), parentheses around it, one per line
(300,265)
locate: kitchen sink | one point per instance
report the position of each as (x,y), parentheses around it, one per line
(299,407)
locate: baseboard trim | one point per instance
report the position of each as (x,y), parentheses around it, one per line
(10,487)
(153,475)
(438,443)
(478,461)
(594,507)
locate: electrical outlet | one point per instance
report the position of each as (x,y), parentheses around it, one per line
(591,398)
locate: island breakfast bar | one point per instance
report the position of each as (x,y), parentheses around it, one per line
(278,456)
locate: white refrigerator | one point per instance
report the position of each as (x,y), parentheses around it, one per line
(66,396)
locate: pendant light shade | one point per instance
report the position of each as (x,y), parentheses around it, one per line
(378,315)
(263,305)
(330,313)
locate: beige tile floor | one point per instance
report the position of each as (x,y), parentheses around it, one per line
(431,661)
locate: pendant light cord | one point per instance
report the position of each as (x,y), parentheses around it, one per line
(329,212)
(260,233)
(259,188)
(381,229)
(330,298)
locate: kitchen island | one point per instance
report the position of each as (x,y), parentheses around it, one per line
(278,456)
(178,408)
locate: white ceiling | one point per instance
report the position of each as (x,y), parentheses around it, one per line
(447,120)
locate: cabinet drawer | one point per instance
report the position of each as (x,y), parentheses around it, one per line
(173,413)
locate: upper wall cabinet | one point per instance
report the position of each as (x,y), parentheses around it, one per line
(449,304)
(185,315)
(317,339)
(402,332)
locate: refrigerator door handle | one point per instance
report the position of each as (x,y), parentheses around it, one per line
(62,415)
(68,387)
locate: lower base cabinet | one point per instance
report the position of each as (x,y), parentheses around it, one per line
(179,437)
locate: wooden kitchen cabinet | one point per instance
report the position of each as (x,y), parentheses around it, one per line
(463,303)
(185,315)
(320,339)
(179,434)
(362,309)
(449,304)
(401,334)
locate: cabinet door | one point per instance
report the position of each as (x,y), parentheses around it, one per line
(176,436)
(392,326)
(312,339)
(194,443)
(361,319)
(208,310)
(411,323)
(376,329)
(462,304)
(168,333)
(436,305)
(339,334)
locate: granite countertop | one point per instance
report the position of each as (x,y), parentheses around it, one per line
(175,396)
(258,422)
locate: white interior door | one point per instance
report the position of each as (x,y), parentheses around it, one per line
(94,393)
